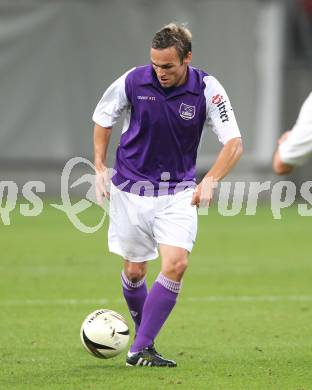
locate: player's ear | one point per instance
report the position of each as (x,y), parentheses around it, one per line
(188,58)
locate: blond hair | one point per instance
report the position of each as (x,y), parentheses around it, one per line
(173,34)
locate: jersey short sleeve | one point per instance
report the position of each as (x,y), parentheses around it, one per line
(219,113)
(297,148)
(112,103)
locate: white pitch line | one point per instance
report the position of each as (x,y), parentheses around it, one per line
(209,298)
(251,298)
(51,302)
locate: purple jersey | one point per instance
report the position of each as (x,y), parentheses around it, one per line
(163,128)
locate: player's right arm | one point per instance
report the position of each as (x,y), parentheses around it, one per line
(101,137)
(106,114)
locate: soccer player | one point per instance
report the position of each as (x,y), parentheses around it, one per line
(295,146)
(153,194)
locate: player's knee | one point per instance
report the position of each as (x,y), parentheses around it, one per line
(181,266)
(135,271)
(176,267)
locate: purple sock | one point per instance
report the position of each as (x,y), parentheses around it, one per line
(157,307)
(135,295)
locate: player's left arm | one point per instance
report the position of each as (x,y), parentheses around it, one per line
(226,160)
(220,117)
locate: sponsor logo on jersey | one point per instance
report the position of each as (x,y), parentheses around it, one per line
(217,99)
(221,104)
(140,97)
(187,112)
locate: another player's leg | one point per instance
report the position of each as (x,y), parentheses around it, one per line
(134,288)
(157,307)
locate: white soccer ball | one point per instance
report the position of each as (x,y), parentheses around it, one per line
(104,333)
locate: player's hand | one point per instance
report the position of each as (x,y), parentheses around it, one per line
(101,184)
(203,193)
(284,137)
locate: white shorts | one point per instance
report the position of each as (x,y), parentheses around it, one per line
(139,223)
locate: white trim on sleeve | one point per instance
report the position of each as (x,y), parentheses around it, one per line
(220,115)
(112,103)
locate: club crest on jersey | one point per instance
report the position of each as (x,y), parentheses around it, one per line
(186,111)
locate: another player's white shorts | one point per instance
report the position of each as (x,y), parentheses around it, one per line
(138,224)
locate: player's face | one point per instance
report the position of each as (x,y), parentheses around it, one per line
(168,67)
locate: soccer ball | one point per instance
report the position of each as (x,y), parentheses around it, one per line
(104,333)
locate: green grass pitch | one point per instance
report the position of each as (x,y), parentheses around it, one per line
(243,320)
